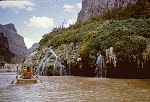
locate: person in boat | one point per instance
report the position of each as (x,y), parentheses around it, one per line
(27,74)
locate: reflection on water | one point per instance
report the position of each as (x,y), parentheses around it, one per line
(74,89)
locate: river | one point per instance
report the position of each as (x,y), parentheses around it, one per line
(74,89)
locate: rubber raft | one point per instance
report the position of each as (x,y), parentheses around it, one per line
(24,81)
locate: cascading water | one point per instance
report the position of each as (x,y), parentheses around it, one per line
(59,66)
(100,63)
(111,56)
(43,66)
(100,66)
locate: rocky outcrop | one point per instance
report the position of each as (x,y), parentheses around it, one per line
(5,54)
(34,46)
(91,8)
(16,43)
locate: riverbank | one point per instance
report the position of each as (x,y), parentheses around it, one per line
(10,68)
(7,70)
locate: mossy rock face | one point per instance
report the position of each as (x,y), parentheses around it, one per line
(108,30)
(32,60)
(127,32)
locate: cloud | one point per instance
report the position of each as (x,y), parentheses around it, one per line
(28,42)
(70,22)
(30,8)
(40,22)
(22,4)
(79,5)
(68,7)
(15,11)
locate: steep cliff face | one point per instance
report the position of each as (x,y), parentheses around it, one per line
(15,41)
(92,8)
(5,54)
(34,46)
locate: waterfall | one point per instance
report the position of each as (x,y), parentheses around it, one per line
(43,65)
(59,66)
(100,66)
(111,56)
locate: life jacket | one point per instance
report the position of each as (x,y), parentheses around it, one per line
(27,74)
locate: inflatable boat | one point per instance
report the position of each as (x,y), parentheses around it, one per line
(23,81)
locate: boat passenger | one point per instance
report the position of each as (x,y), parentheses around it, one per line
(27,74)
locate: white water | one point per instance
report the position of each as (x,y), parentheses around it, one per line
(100,66)
(44,64)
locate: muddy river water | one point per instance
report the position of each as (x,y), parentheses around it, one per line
(74,89)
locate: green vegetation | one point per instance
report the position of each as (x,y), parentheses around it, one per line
(126,29)
(128,37)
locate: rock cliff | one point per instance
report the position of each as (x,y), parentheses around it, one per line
(16,43)
(34,46)
(92,8)
(5,54)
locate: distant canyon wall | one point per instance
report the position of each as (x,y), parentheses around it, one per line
(16,43)
(34,47)
(5,54)
(91,8)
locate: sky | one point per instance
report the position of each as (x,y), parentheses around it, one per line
(34,18)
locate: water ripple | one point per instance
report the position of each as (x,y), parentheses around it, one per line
(74,89)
